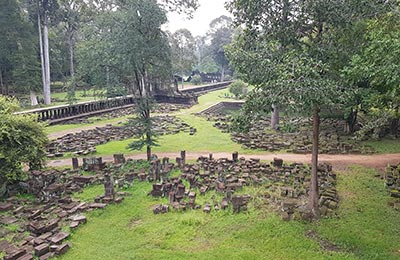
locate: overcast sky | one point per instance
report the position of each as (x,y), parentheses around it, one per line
(208,11)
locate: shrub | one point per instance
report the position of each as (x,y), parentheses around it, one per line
(238,88)
(22,141)
(196,79)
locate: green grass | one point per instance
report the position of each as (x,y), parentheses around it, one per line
(131,231)
(366,228)
(366,225)
(384,145)
(206,139)
(204,102)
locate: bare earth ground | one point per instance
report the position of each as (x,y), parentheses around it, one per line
(339,162)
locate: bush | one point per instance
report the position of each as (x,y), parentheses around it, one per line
(238,88)
(228,78)
(196,79)
(22,141)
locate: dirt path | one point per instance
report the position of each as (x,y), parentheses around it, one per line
(339,162)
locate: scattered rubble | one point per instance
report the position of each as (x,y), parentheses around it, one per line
(333,139)
(85,142)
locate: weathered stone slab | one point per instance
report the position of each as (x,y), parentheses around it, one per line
(59,237)
(14,255)
(97,205)
(46,256)
(42,249)
(26,257)
(4,244)
(62,249)
(8,220)
(5,206)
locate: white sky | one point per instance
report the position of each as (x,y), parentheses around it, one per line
(199,24)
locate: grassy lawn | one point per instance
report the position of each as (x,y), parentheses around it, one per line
(204,102)
(384,145)
(366,225)
(206,139)
(365,229)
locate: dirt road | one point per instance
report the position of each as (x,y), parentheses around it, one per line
(339,162)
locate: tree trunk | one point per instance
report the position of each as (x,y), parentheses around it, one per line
(351,121)
(148,153)
(314,192)
(71,53)
(222,73)
(394,127)
(2,90)
(41,52)
(33,98)
(275,117)
(46,94)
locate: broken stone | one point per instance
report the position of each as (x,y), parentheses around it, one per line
(6,207)
(46,256)
(59,237)
(62,249)
(15,254)
(42,249)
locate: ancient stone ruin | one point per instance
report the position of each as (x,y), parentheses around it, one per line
(85,142)
(39,221)
(333,139)
(392,183)
(161,108)
(286,186)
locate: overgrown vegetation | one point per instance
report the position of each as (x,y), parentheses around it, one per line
(22,141)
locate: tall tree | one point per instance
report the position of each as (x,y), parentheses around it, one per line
(377,68)
(302,75)
(46,9)
(220,33)
(183,52)
(73,13)
(134,52)
(18,53)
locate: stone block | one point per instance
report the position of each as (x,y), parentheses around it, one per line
(42,249)
(59,237)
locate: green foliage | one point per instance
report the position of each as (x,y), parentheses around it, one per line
(19,65)
(126,47)
(221,33)
(22,140)
(376,124)
(376,68)
(144,124)
(238,88)
(183,52)
(228,77)
(207,65)
(196,79)
(241,122)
